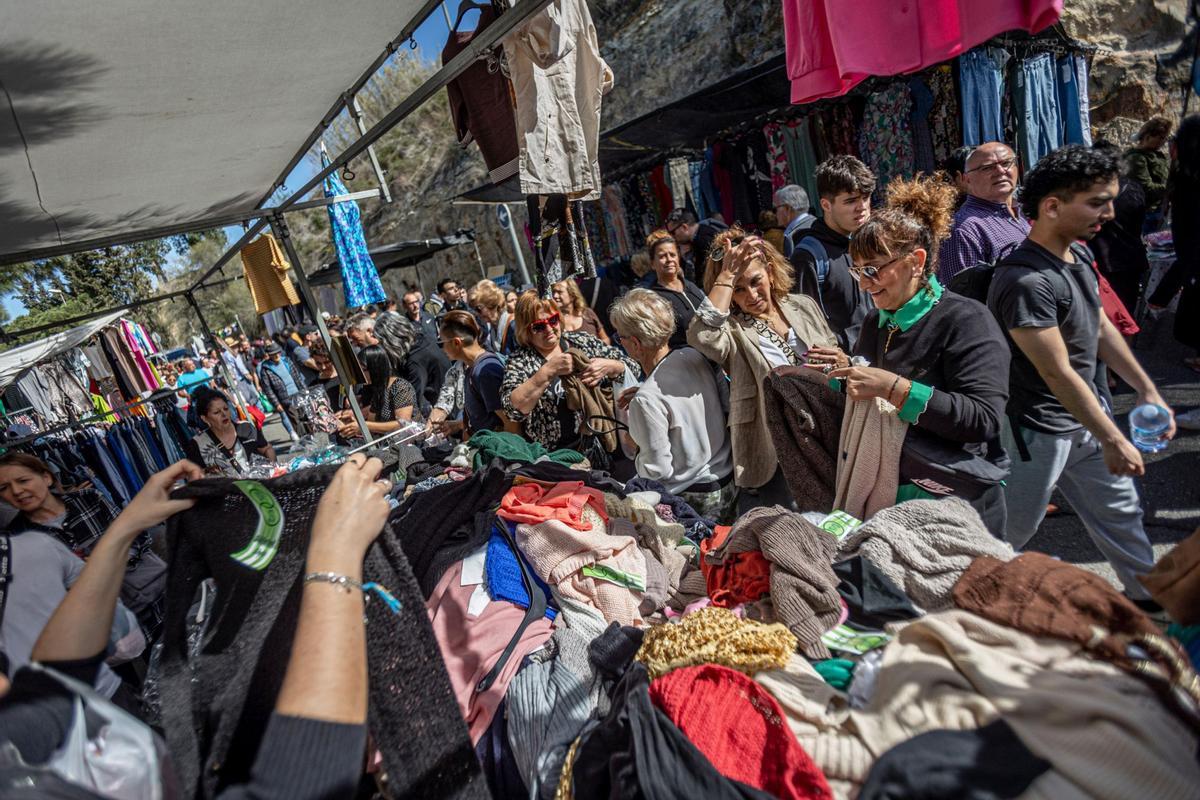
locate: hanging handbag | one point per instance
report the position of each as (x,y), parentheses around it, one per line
(265,404)
(945,469)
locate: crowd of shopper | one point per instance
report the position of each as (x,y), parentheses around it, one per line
(949,343)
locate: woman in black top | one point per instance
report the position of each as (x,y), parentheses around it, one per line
(389,400)
(225,447)
(940,358)
(683,295)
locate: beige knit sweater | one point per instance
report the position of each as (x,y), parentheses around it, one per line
(868,472)
(1105,732)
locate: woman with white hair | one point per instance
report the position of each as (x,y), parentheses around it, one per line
(675,416)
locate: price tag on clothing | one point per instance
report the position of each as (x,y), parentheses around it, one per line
(839,524)
(626,579)
(847,640)
(264,544)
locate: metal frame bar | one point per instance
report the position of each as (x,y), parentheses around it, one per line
(356,114)
(405,35)
(233,218)
(483,40)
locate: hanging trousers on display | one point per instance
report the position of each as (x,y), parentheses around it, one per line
(981,77)
(1073,99)
(1039,123)
(561,248)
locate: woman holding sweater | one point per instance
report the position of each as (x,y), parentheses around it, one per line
(940,358)
(750,324)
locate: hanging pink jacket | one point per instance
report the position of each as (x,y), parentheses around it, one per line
(833,45)
(139,358)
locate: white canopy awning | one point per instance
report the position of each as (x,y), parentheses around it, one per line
(14,363)
(127,119)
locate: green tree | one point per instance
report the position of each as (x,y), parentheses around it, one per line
(88,281)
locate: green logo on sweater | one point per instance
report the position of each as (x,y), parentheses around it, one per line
(263,546)
(603,573)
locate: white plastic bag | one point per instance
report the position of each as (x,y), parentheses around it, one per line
(122,761)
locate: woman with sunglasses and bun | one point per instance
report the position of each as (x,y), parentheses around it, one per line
(749,324)
(938,357)
(532,390)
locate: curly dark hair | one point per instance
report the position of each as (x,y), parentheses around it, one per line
(1065,171)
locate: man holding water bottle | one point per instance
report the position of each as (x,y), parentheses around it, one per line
(1059,429)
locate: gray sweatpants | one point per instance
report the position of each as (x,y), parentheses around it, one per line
(1107,505)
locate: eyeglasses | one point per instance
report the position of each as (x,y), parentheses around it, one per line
(872,273)
(543,325)
(1005,165)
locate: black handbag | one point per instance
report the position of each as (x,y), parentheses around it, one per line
(946,469)
(591,443)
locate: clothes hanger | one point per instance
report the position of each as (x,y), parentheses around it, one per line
(463,8)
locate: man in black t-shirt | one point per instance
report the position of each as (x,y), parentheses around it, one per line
(1059,430)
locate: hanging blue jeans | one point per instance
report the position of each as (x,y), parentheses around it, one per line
(1073,99)
(1039,123)
(981,78)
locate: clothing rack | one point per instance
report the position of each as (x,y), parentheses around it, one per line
(158,396)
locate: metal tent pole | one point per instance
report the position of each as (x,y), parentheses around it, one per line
(356,114)
(284,235)
(511,227)
(221,365)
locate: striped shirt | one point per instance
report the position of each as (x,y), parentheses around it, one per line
(982,232)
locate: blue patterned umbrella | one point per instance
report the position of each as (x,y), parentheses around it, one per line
(360,279)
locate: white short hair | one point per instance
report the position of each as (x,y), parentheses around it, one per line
(643,314)
(792,196)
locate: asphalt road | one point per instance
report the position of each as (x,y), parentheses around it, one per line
(1171,487)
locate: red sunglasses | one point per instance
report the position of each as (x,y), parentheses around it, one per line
(541,325)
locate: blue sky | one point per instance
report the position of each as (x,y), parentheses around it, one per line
(431,37)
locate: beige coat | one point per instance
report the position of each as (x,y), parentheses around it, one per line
(733,344)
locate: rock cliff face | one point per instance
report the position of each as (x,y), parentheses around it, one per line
(662,50)
(1129,84)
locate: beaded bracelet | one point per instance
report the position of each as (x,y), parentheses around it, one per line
(348,583)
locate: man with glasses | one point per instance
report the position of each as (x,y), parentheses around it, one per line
(988,225)
(693,238)
(791,209)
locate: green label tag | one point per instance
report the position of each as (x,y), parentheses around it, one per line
(839,523)
(848,640)
(603,573)
(264,544)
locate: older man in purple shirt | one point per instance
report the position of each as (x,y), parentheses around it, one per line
(988,225)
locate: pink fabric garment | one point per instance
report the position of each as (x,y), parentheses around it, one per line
(533,503)
(139,358)
(471,646)
(833,45)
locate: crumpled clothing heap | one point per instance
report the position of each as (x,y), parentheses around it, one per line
(716,636)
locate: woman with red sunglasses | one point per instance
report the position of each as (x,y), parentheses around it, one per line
(532,391)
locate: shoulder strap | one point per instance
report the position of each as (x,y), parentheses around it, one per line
(813,246)
(5,570)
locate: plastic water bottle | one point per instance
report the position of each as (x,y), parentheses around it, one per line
(1148,426)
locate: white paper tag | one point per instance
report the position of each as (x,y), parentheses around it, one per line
(478,602)
(473,568)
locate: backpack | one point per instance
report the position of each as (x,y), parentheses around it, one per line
(975,282)
(813,246)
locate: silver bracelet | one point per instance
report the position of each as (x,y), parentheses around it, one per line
(344,581)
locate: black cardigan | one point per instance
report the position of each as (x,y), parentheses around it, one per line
(958,350)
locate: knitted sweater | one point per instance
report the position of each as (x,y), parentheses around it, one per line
(868,469)
(924,546)
(232,686)
(804,417)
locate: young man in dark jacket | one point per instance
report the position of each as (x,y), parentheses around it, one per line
(821,256)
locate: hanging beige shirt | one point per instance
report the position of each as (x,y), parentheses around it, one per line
(266,269)
(559,79)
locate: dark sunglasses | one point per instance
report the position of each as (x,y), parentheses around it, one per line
(872,273)
(542,325)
